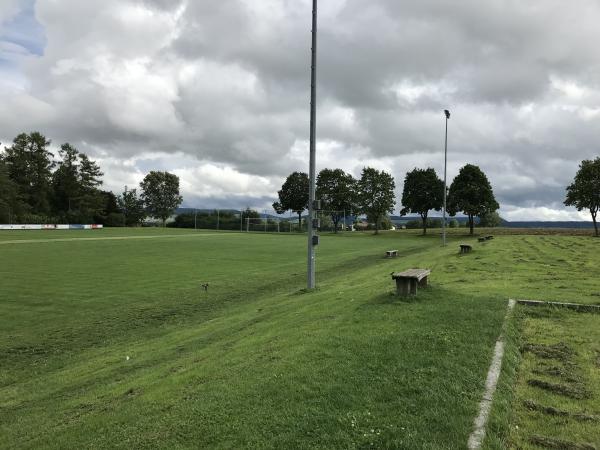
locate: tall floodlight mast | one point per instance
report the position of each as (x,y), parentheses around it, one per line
(313,239)
(447,113)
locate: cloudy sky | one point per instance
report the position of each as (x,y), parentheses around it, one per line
(217,91)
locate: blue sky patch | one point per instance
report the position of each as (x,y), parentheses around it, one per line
(24,30)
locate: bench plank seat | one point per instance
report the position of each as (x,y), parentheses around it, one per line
(407,281)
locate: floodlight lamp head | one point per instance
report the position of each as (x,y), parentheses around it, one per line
(447,113)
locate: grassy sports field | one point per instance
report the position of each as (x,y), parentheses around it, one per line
(108,340)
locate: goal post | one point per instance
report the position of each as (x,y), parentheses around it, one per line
(263,224)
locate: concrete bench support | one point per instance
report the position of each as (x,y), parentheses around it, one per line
(391,253)
(465,248)
(408,281)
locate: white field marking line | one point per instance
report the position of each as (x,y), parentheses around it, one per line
(114,238)
(476,437)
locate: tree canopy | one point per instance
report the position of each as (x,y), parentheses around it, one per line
(584,192)
(376,196)
(423,191)
(471,193)
(293,195)
(160,193)
(132,207)
(337,191)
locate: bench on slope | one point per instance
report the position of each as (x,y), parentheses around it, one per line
(407,281)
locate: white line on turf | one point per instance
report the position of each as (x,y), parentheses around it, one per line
(476,437)
(114,238)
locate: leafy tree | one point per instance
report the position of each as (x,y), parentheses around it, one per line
(30,166)
(132,207)
(293,195)
(584,192)
(91,200)
(423,191)
(337,191)
(10,202)
(110,214)
(471,193)
(65,180)
(376,194)
(160,193)
(17,162)
(490,219)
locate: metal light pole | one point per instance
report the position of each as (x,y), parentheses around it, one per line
(312,238)
(447,113)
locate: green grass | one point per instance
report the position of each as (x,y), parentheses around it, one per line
(257,362)
(551,382)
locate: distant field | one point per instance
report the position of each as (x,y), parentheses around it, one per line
(256,362)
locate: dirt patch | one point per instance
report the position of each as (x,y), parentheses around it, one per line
(576,391)
(547,442)
(549,410)
(559,351)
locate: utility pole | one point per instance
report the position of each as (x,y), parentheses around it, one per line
(313,239)
(447,113)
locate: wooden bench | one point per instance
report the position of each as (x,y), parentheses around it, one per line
(487,238)
(481,239)
(407,281)
(465,248)
(391,253)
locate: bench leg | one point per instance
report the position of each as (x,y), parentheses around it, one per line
(413,287)
(423,282)
(402,287)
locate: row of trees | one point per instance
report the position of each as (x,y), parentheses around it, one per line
(373,194)
(37,188)
(34,187)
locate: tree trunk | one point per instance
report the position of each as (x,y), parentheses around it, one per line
(471,223)
(595,224)
(300,222)
(336,220)
(377,225)
(424,219)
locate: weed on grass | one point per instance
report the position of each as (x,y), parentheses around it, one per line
(559,444)
(576,391)
(559,351)
(551,411)
(566,373)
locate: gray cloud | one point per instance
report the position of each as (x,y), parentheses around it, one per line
(225,84)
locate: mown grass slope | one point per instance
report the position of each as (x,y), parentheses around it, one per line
(255,361)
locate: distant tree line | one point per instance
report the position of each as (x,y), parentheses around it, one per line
(36,187)
(373,195)
(340,193)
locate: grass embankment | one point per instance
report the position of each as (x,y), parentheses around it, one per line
(255,361)
(550,389)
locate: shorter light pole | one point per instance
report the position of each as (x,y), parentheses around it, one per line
(447,113)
